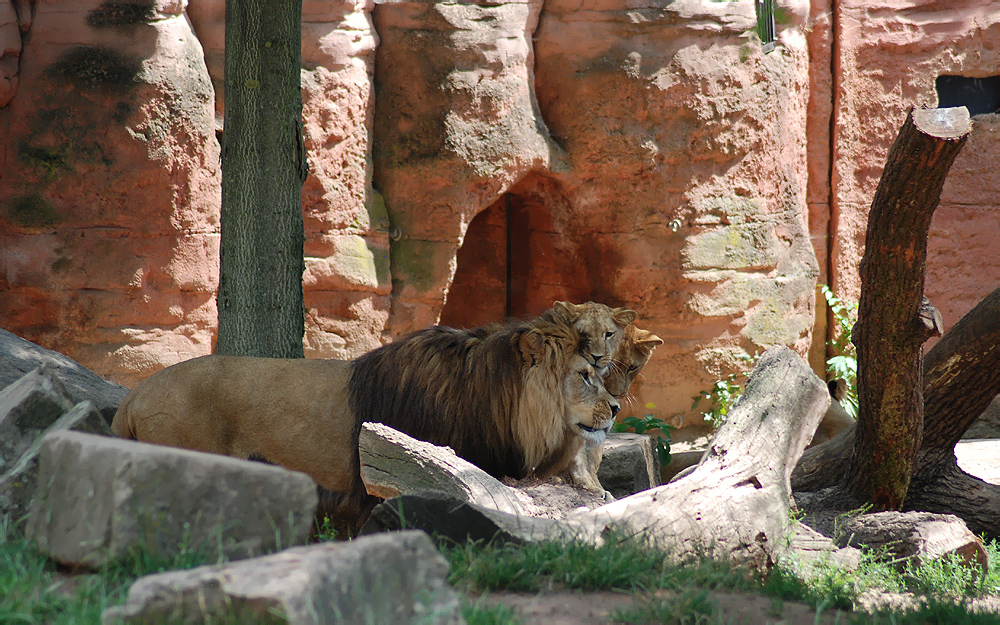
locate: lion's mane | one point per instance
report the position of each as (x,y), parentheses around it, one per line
(492,394)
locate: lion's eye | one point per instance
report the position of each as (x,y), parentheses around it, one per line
(608,335)
(586,376)
(632,368)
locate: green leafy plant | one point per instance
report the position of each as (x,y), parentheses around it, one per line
(720,399)
(843,363)
(650,423)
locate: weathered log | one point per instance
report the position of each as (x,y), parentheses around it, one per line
(393,463)
(735,504)
(902,536)
(894,319)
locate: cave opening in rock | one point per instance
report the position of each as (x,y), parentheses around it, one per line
(979,95)
(516,259)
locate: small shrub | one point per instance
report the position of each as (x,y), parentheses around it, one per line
(650,423)
(722,396)
(843,363)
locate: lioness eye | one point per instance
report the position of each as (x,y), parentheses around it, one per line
(632,368)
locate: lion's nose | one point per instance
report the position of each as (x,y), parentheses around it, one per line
(615,407)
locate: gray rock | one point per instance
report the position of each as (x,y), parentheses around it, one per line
(17,482)
(396,578)
(18,357)
(28,407)
(99,498)
(629,464)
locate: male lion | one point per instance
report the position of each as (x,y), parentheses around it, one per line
(516,401)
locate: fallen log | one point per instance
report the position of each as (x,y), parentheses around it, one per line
(902,536)
(393,464)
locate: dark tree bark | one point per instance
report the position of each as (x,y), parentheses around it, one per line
(961,378)
(894,319)
(261,310)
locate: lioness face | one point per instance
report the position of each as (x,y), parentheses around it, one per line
(590,409)
(632,355)
(601,329)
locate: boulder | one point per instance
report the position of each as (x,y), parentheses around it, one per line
(99,499)
(629,464)
(18,479)
(27,408)
(18,357)
(397,578)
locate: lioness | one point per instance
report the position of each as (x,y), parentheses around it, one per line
(634,352)
(601,329)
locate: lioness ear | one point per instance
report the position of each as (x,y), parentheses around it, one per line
(647,338)
(623,316)
(566,310)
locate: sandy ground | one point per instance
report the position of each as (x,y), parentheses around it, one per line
(569,608)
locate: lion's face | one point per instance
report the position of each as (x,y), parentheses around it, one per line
(590,409)
(600,327)
(636,347)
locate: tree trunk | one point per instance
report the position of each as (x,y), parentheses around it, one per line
(261,310)
(961,377)
(894,319)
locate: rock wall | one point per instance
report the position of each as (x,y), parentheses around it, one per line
(479,160)
(890,58)
(109,185)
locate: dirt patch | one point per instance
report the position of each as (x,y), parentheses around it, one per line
(573,608)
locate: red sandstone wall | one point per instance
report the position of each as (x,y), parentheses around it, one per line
(889,59)
(639,153)
(109,185)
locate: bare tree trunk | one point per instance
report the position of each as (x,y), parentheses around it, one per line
(961,377)
(261,310)
(894,319)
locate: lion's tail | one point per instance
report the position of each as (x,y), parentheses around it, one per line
(122,424)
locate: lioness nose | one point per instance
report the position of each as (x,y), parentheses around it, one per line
(615,407)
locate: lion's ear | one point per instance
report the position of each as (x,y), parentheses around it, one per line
(566,310)
(647,339)
(623,316)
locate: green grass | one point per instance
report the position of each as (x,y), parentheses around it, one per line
(623,565)
(29,582)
